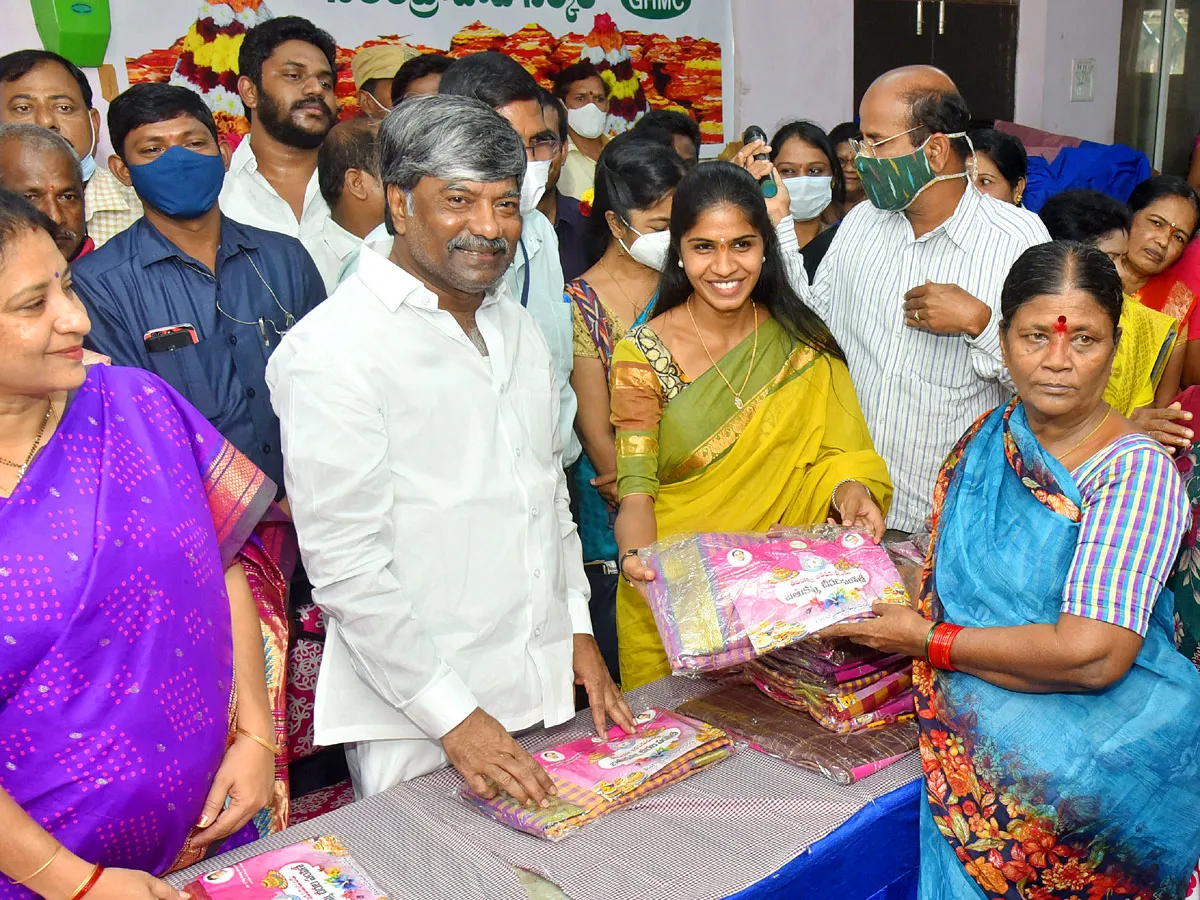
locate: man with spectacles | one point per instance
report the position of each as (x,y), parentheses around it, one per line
(911,285)
(536,276)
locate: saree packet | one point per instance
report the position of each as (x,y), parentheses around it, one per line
(721,599)
(793,736)
(595,777)
(321,867)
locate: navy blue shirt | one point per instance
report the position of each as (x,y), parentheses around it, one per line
(571,229)
(139,281)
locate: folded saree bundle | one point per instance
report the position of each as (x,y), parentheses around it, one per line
(723,599)
(321,867)
(867,690)
(794,737)
(596,777)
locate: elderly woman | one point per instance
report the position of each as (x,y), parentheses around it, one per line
(1159,269)
(733,406)
(1060,726)
(136,723)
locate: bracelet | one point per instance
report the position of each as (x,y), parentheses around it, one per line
(940,644)
(929,639)
(624,556)
(43,867)
(263,742)
(837,487)
(83,889)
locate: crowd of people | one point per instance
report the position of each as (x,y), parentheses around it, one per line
(469,355)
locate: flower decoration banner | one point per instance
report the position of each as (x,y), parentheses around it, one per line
(654,54)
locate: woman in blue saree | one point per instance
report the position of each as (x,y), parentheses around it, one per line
(1060,727)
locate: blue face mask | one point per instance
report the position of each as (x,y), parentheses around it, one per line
(181,183)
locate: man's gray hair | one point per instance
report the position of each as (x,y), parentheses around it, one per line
(451,138)
(41,139)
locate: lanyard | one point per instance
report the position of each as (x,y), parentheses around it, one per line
(525,288)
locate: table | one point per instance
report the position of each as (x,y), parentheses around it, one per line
(749,828)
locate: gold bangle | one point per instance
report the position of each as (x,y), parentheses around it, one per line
(43,867)
(263,742)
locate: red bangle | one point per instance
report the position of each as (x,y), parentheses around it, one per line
(84,888)
(939,645)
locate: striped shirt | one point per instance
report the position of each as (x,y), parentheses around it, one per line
(1135,512)
(919,390)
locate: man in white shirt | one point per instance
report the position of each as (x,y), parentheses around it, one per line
(425,473)
(288,73)
(911,285)
(348,173)
(536,276)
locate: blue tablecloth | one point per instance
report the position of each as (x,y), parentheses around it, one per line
(874,856)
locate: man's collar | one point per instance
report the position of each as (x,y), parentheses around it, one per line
(243,158)
(153,246)
(957,226)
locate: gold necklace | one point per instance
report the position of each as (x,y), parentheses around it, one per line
(22,468)
(638,310)
(737,395)
(1061,456)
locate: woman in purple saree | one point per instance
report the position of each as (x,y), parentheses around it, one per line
(139,585)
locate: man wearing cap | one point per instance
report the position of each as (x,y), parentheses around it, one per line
(373,69)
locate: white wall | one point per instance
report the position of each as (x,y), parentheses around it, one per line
(1053,33)
(794,60)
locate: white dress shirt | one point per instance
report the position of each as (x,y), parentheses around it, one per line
(427,488)
(247,197)
(333,252)
(552,312)
(919,391)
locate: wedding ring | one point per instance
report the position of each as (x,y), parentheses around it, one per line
(917,316)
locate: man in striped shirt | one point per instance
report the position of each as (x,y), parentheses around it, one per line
(911,284)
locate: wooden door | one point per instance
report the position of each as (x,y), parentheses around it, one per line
(974,41)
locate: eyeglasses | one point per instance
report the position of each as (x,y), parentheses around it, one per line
(541,149)
(864,146)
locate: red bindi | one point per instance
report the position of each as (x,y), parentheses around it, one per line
(1061,325)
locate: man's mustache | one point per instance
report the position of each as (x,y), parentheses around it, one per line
(313,104)
(473,244)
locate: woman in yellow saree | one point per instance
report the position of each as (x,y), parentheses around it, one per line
(733,407)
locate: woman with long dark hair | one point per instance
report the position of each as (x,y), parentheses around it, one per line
(627,236)
(733,406)
(802,153)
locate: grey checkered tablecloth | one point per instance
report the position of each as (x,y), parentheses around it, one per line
(712,835)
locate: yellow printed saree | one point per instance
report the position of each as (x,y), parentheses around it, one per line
(713,467)
(1147,339)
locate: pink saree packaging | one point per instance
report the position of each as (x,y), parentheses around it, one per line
(321,867)
(595,777)
(723,599)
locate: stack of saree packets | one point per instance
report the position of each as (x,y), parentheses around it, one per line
(844,687)
(596,777)
(723,599)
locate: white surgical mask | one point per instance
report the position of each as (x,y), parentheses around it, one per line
(587,121)
(650,249)
(810,195)
(87,165)
(537,176)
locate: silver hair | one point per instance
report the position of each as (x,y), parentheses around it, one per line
(451,138)
(42,139)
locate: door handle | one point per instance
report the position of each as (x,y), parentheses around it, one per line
(942,17)
(920,17)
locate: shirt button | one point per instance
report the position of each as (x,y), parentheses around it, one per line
(533,512)
(266,448)
(233,339)
(537,573)
(518,451)
(537,632)
(250,393)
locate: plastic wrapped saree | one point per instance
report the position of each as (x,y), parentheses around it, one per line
(117,698)
(714,467)
(1088,795)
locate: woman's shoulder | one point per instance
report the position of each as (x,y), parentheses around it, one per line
(1134,459)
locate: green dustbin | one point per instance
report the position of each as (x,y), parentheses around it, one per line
(76,29)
